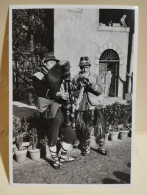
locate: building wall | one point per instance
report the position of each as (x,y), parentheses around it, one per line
(77,33)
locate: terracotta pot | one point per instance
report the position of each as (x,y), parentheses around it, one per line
(114,135)
(20,155)
(123,134)
(34,154)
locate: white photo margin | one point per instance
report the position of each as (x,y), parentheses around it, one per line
(11,7)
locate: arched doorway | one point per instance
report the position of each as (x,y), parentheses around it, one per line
(109,72)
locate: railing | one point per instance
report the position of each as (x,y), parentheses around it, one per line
(113,28)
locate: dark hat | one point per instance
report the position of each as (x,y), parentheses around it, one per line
(84,61)
(66,69)
(49,56)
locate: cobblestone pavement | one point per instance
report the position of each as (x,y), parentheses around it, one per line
(91,169)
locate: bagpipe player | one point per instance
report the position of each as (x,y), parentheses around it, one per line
(48,85)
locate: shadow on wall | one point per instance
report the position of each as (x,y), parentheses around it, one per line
(4,103)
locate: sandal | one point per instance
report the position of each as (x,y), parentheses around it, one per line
(56,164)
(66,158)
(55,161)
(102,151)
(86,151)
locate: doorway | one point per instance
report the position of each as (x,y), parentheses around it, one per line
(109,72)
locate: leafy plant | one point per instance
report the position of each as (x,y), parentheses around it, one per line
(29,26)
(116,114)
(33,138)
(128,126)
(110,116)
(20,127)
(30,31)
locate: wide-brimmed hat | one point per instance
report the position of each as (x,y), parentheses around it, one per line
(84,61)
(49,56)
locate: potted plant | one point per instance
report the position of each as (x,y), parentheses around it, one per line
(19,132)
(125,119)
(111,121)
(34,152)
(123,133)
(113,132)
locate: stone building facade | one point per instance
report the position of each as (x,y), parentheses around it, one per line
(77,32)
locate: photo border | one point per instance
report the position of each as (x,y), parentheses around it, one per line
(11,7)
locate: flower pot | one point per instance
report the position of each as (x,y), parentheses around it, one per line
(123,134)
(20,155)
(34,154)
(114,135)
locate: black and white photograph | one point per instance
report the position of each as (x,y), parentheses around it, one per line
(72,78)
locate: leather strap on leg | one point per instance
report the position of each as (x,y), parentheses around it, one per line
(56,160)
(64,157)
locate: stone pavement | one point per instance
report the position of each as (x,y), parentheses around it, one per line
(91,169)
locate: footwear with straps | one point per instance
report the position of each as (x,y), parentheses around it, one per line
(56,161)
(66,158)
(86,151)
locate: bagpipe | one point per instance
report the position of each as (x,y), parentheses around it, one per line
(72,88)
(57,76)
(70,103)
